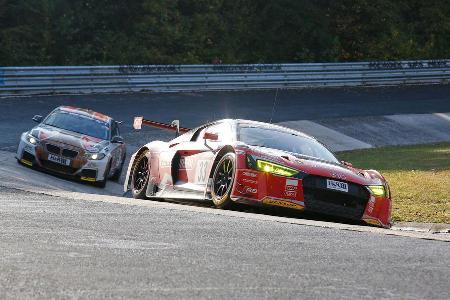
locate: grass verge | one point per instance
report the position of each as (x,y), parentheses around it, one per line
(419,177)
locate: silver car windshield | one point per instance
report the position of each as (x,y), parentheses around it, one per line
(79,124)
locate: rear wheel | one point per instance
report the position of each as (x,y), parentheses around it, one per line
(223,179)
(140,177)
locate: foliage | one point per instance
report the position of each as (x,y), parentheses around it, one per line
(91,32)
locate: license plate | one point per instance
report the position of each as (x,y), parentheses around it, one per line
(59,159)
(337,185)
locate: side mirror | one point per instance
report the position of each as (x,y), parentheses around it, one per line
(117,140)
(38,118)
(345,163)
(211,136)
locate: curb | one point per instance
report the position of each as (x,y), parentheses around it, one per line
(434,228)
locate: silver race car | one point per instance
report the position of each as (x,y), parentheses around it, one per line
(77,142)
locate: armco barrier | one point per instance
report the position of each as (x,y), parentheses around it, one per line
(173,78)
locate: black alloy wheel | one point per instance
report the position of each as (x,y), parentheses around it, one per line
(140,177)
(223,179)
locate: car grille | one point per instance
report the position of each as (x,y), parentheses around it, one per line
(319,199)
(52,166)
(69,153)
(53,149)
(61,151)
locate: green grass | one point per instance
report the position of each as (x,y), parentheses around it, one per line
(419,177)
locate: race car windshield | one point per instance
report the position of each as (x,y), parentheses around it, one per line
(79,123)
(285,141)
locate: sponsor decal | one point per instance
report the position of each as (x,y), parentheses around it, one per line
(164,163)
(246,190)
(58,159)
(186,163)
(249,181)
(249,174)
(338,175)
(46,134)
(100,117)
(201,171)
(291,188)
(373,222)
(249,190)
(371,204)
(337,185)
(282,203)
(291,194)
(90,144)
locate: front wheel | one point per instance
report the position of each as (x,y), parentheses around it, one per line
(140,176)
(223,179)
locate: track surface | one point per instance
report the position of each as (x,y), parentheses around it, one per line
(195,109)
(59,248)
(55,247)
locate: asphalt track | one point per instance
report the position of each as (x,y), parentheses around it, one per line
(196,108)
(56,247)
(67,247)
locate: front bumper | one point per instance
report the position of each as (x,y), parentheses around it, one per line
(310,193)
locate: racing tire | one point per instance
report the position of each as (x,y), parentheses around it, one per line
(118,172)
(222,181)
(140,177)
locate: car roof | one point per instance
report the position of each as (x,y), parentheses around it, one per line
(86,112)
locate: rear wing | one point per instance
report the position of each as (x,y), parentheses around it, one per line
(174,126)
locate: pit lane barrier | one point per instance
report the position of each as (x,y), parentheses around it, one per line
(184,78)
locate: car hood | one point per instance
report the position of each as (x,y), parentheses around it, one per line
(55,135)
(320,168)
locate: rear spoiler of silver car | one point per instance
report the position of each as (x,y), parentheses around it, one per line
(174,126)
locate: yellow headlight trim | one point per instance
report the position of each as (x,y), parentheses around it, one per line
(377,190)
(273,168)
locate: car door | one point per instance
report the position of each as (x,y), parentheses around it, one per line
(196,157)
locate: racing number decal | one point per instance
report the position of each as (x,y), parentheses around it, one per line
(201,175)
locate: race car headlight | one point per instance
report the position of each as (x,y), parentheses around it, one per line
(95,156)
(377,190)
(273,168)
(31,139)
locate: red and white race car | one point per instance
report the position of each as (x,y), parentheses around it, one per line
(258,164)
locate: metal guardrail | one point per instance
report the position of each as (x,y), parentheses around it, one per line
(175,78)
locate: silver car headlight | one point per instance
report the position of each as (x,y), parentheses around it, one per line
(31,139)
(95,156)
